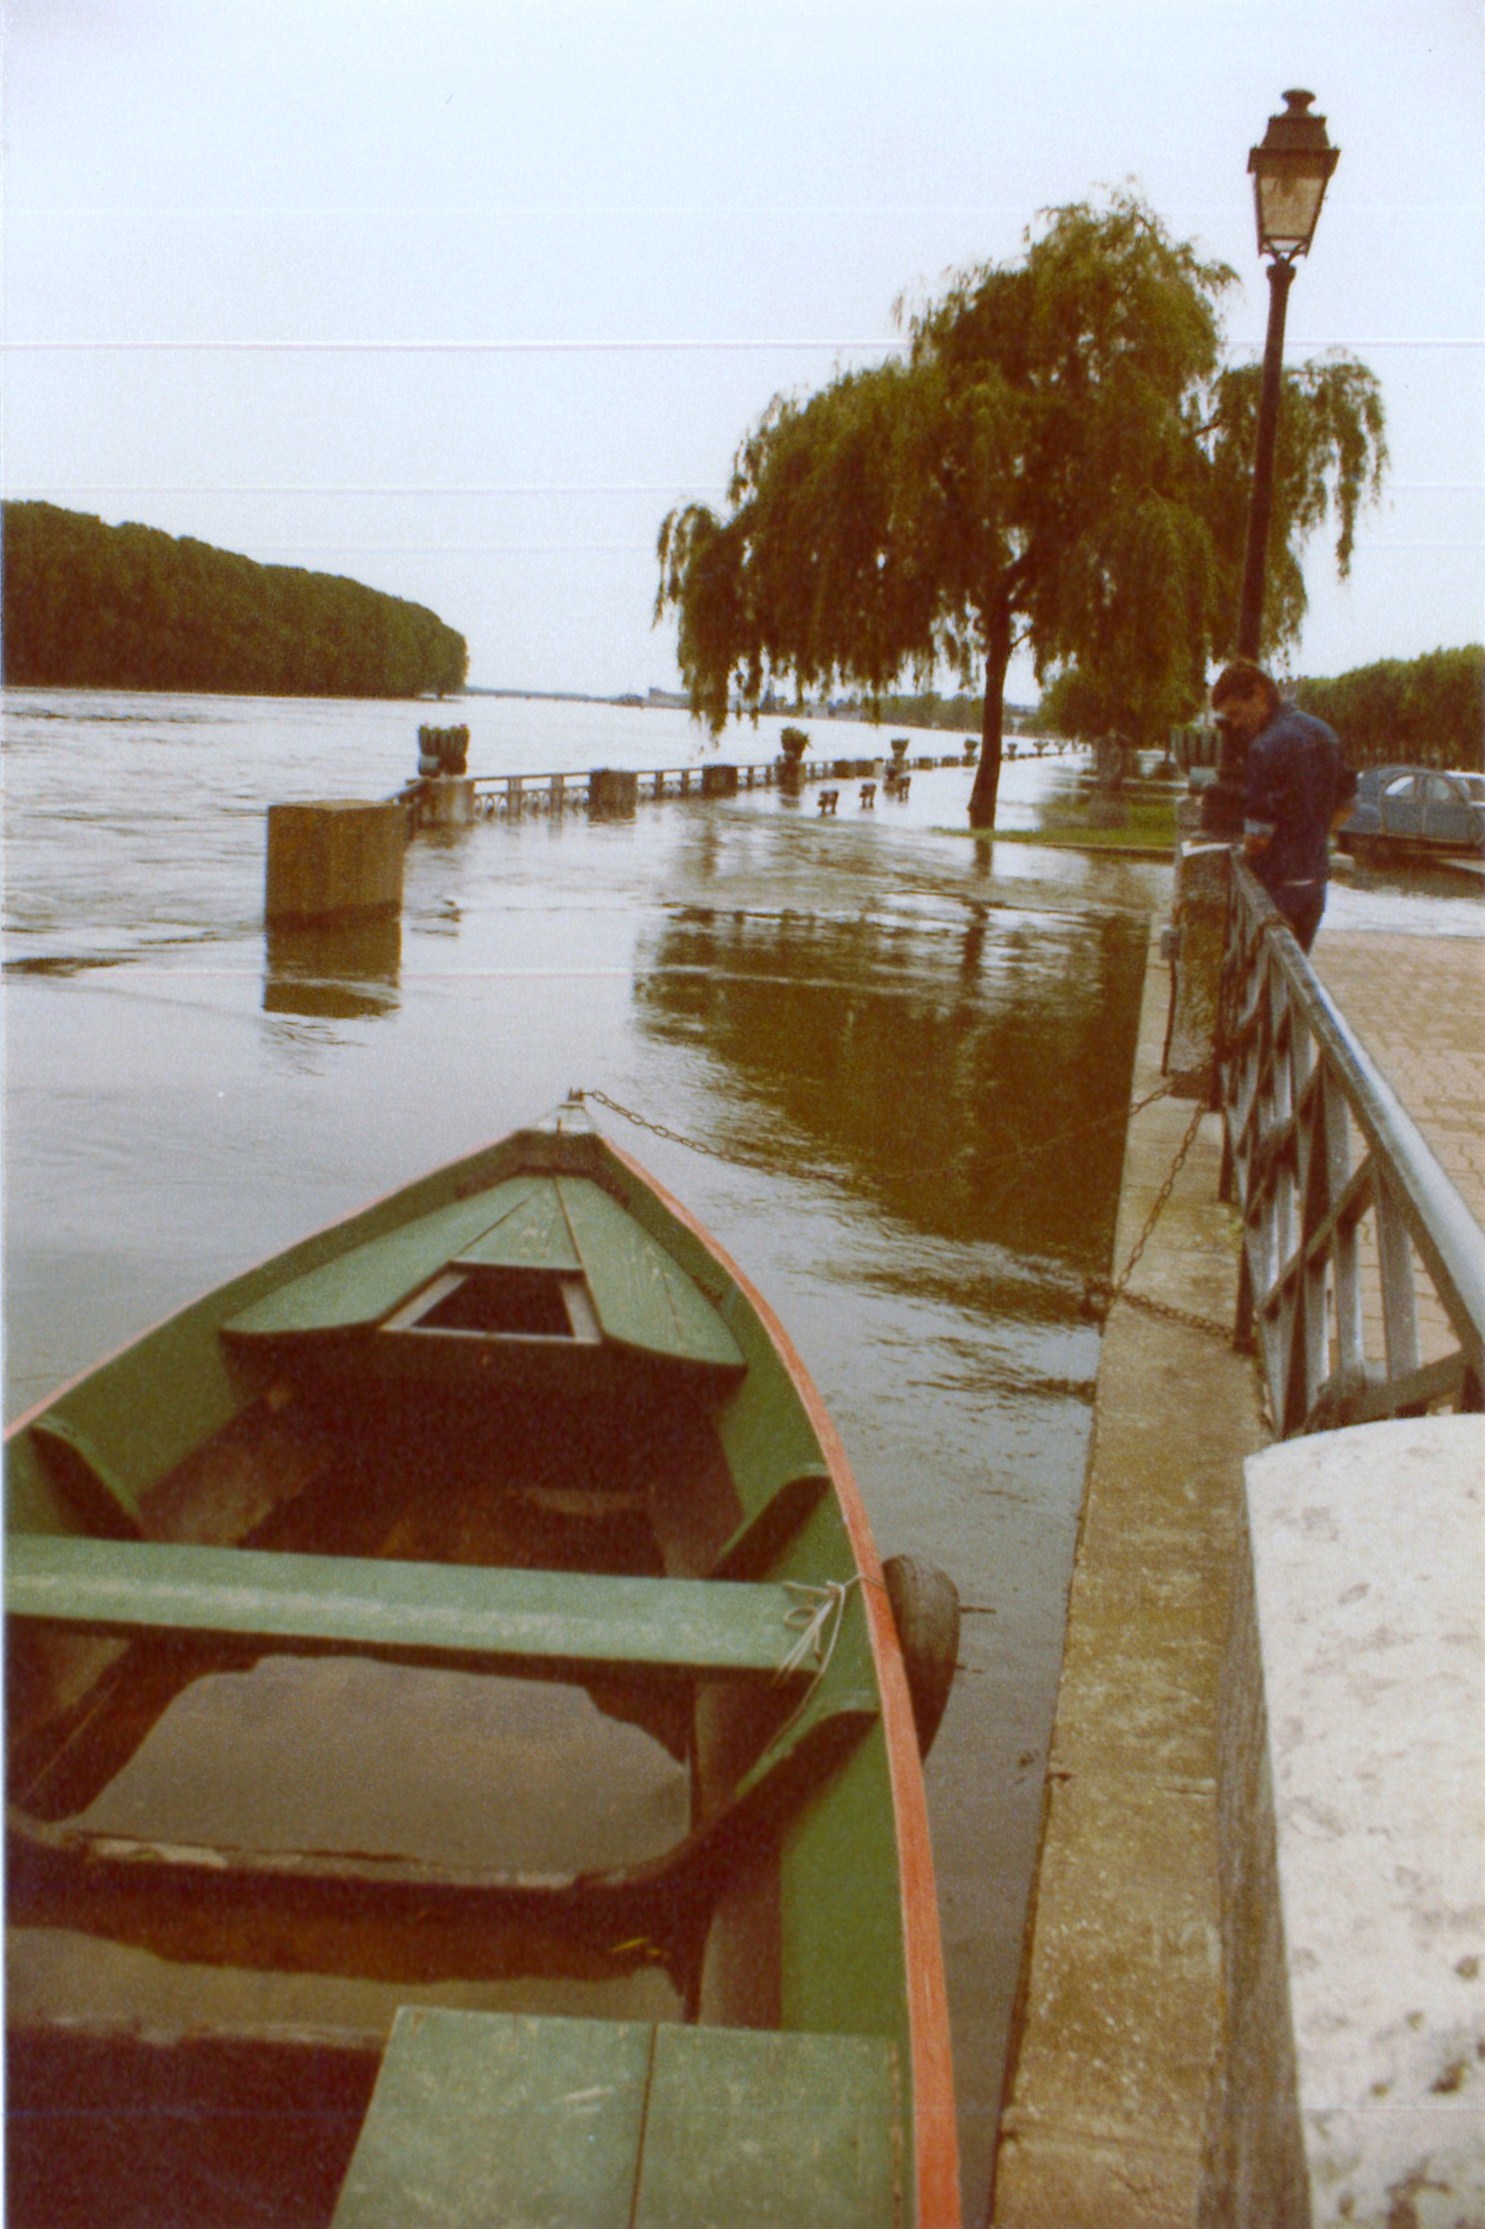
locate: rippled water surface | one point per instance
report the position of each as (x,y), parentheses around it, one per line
(906,1053)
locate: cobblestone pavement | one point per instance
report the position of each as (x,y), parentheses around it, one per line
(1418,1005)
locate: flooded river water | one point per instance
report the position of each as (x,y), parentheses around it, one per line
(904,1054)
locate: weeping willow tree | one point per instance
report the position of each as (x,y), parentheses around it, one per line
(1060,461)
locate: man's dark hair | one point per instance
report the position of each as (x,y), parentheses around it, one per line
(1240,679)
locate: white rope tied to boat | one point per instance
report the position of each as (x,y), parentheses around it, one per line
(816,1611)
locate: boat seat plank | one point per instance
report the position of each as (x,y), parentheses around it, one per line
(483,2118)
(362,1285)
(305,1603)
(644,1299)
(754,2128)
(545,2123)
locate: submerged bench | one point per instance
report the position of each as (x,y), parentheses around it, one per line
(480,2118)
(402,1611)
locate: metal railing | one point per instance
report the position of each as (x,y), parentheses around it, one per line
(1362,1275)
(513,796)
(508,796)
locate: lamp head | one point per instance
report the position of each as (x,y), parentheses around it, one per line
(1290,170)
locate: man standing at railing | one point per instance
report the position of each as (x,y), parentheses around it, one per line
(1296,785)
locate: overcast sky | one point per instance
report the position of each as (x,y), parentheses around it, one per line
(460,296)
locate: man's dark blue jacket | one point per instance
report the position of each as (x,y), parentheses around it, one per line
(1294,787)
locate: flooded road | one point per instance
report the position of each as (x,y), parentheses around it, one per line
(903,1055)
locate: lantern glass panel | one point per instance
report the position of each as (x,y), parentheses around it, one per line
(1288,202)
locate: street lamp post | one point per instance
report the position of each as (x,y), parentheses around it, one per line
(1290,170)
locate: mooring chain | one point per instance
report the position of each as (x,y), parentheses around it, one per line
(1100,1294)
(911,1168)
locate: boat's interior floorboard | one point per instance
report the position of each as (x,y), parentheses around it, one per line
(200,2134)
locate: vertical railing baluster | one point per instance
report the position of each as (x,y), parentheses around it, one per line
(1395,1262)
(1350,1335)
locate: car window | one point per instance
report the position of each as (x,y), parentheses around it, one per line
(1402,785)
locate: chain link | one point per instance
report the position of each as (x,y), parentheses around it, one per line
(1100,1294)
(911,1168)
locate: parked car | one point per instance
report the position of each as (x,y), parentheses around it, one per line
(1414,808)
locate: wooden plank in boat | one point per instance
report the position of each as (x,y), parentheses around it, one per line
(643,1297)
(754,2129)
(365,1282)
(479,2118)
(543,2123)
(310,1603)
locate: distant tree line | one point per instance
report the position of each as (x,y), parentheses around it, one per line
(91,606)
(964,712)
(1427,711)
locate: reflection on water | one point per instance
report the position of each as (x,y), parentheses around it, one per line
(929,1063)
(335,970)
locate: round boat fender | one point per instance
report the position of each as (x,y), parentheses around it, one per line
(925,1610)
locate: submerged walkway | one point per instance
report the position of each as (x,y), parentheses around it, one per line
(1116,2086)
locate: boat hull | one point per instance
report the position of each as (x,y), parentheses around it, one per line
(532,1375)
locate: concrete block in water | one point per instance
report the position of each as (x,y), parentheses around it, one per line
(719,781)
(334,855)
(612,791)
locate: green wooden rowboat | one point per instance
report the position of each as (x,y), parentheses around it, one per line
(462,1760)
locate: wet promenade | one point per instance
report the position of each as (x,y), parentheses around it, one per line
(1114,2115)
(1418,1006)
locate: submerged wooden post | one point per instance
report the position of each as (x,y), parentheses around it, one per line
(334,856)
(719,781)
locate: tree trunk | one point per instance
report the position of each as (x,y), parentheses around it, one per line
(987,778)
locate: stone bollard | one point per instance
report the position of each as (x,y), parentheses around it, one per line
(719,781)
(612,792)
(335,855)
(1199,937)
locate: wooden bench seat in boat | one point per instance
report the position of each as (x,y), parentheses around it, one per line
(406,1611)
(548,2123)
(429,1614)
